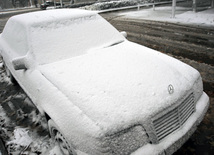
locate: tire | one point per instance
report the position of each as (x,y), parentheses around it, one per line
(55,133)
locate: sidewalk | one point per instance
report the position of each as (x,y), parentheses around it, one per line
(184,15)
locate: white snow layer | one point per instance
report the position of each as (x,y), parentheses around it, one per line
(125,81)
(21,137)
(113,86)
(69,32)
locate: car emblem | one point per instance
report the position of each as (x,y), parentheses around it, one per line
(170,89)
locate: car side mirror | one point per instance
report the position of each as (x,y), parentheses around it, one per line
(19,63)
(124,34)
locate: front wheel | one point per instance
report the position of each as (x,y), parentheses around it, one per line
(64,146)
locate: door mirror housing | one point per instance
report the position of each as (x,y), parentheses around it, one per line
(19,63)
(124,34)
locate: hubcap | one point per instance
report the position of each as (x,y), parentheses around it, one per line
(64,147)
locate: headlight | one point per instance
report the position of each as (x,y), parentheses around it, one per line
(128,140)
(198,88)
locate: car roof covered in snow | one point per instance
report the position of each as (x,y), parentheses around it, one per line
(49,16)
(70,32)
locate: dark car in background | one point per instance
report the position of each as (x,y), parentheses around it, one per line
(50,4)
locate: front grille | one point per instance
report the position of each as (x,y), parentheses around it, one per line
(174,119)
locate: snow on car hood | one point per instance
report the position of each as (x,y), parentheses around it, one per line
(121,85)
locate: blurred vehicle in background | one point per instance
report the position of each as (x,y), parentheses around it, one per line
(50,4)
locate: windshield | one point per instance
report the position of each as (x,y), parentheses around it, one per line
(69,38)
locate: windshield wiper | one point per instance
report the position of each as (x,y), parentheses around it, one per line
(115,43)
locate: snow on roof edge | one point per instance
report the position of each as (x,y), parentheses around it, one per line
(47,16)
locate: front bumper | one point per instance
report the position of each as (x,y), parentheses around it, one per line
(174,141)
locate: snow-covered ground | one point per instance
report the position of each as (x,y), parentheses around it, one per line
(23,130)
(183,15)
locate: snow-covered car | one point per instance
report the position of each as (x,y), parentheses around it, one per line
(101,93)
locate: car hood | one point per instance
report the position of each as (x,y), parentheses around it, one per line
(121,85)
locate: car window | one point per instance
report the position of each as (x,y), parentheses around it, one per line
(69,38)
(15,36)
